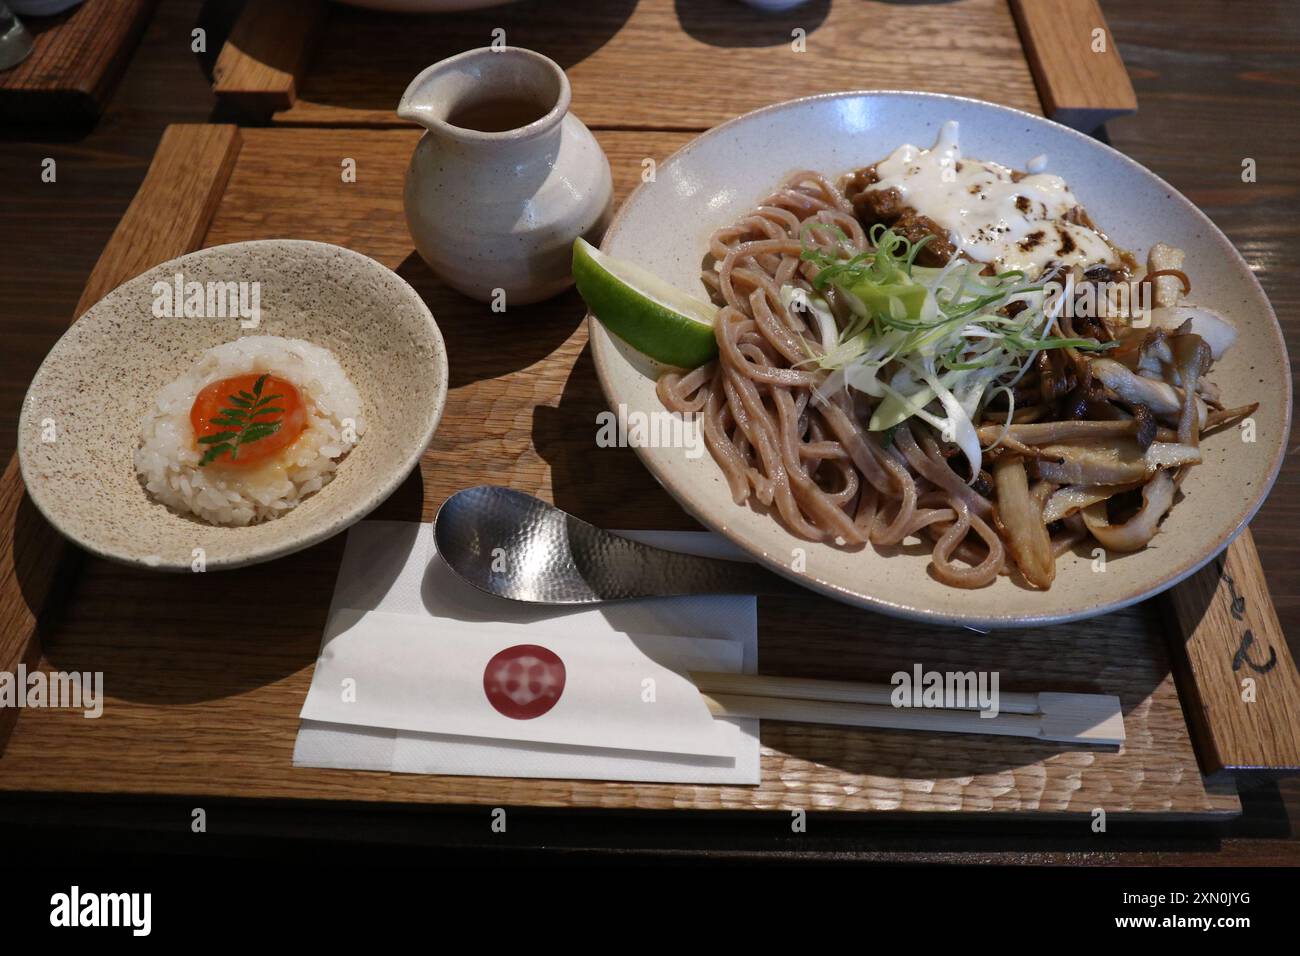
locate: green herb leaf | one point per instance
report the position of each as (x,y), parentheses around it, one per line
(254,432)
(212,453)
(243,422)
(219,436)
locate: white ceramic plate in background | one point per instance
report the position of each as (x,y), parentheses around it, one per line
(722,174)
(99,378)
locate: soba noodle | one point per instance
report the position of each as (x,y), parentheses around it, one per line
(928,349)
(794,450)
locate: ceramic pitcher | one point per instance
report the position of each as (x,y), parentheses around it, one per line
(505,178)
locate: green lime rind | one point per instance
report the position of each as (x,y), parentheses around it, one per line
(647,313)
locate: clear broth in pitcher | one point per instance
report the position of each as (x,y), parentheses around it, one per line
(496,115)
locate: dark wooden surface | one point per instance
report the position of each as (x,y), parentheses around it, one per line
(77,58)
(1216,85)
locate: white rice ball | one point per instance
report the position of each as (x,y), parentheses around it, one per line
(167,460)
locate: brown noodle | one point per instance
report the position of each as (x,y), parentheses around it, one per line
(809,458)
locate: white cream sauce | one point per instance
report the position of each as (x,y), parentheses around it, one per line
(1014,225)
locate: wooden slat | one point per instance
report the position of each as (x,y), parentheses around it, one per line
(30,555)
(76,62)
(168,217)
(196,710)
(260,65)
(664,64)
(1240,685)
(173,208)
(1080,75)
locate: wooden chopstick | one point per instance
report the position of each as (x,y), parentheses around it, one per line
(1066,718)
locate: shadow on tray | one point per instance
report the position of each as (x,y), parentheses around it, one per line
(188,638)
(373,56)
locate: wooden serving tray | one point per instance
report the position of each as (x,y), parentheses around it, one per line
(77,60)
(201,701)
(312,63)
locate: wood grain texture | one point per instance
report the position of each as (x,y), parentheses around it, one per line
(201,710)
(1233,637)
(262,61)
(77,59)
(168,217)
(171,213)
(1212,90)
(1076,63)
(30,554)
(721,57)
(64,225)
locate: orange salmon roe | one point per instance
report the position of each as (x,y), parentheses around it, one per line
(217,397)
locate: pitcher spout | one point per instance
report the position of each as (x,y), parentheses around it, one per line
(419,103)
(488,95)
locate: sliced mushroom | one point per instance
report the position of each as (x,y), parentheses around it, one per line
(1046,432)
(1163,399)
(1225,416)
(1145,426)
(1154,354)
(1018,516)
(1134,534)
(1116,462)
(1192,359)
(1040,492)
(1219,333)
(1074,498)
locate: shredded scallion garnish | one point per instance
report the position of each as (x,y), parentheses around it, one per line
(931,343)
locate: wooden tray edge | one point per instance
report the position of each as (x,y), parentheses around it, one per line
(262,62)
(168,217)
(83,88)
(1080,75)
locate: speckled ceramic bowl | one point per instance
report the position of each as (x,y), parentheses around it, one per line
(92,390)
(724,173)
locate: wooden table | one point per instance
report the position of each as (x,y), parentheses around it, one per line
(1265,810)
(76,59)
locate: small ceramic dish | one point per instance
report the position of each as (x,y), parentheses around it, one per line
(711,181)
(80,421)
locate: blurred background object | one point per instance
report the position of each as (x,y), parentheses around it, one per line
(15,41)
(424,6)
(41,8)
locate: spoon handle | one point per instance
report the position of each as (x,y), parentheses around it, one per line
(617,568)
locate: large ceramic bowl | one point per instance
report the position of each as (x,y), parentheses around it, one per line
(93,388)
(717,177)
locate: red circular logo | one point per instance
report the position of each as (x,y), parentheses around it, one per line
(524,681)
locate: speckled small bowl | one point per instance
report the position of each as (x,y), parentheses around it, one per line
(92,390)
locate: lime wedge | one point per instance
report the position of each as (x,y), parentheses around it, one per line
(643,310)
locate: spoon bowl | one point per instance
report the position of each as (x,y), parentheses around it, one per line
(510,544)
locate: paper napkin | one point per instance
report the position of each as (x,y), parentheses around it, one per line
(617,691)
(393,595)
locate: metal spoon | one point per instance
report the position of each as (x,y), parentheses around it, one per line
(516,546)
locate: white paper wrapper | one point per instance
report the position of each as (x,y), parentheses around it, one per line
(389,567)
(613,691)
